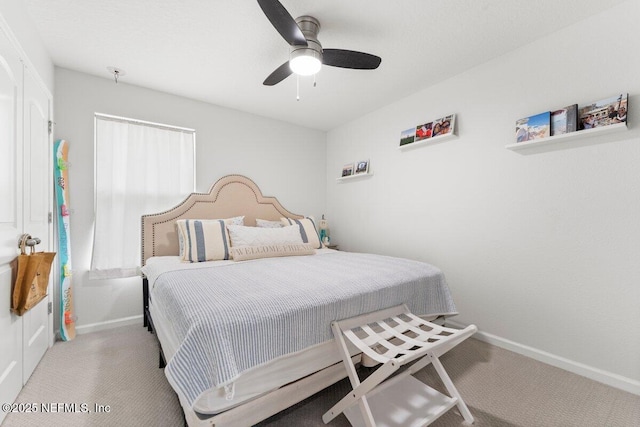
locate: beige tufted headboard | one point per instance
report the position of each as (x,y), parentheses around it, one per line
(230,196)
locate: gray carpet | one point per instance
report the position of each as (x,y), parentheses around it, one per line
(118,368)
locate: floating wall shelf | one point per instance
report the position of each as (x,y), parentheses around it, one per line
(428,141)
(360,175)
(565,137)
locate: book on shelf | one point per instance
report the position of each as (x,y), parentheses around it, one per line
(572,117)
(564,120)
(558,122)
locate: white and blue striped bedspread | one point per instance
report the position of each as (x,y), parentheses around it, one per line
(236,316)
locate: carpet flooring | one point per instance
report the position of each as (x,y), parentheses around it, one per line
(117,370)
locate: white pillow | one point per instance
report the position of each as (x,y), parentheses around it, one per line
(256,236)
(263,223)
(307,229)
(241,253)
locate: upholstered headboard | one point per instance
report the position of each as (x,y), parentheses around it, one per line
(231,195)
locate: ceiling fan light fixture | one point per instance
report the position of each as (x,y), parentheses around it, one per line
(305,62)
(307,56)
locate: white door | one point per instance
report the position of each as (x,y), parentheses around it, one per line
(11,223)
(25,193)
(36,195)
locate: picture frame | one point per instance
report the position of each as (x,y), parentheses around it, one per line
(361,167)
(347,170)
(407,136)
(423,134)
(533,127)
(444,126)
(605,112)
(558,122)
(424,131)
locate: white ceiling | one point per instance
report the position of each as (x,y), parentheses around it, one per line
(221,51)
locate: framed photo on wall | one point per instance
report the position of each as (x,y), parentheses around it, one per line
(347,170)
(424,131)
(533,127)
(407,136)
(605,112)
(444,125)
(362,167)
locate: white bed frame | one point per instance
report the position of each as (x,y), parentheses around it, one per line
(261,408)
(230,196)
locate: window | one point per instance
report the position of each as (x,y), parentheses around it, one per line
(140,168)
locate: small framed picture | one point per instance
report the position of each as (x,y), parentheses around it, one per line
(347,170)
(603,113)
(444,125)
(424,131)
(533,127)
(407,136)
(362,167)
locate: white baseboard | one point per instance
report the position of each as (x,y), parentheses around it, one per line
(100,326)
(596,374)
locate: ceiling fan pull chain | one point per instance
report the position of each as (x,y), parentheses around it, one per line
(314,79)
(297,87)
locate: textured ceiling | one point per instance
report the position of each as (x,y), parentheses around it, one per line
(220,51)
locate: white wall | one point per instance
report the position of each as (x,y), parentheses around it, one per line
(541,251)
(286,161)
(15,15)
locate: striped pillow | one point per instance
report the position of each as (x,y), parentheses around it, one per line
(204,239)
(236,220)
(308,230)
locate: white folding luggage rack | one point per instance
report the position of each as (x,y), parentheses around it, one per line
(395,337)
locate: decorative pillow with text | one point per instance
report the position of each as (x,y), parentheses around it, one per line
(308,230)
(256,236)
(243,253)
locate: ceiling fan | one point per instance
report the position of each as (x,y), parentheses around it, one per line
(307,55)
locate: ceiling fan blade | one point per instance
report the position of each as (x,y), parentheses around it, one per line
(350,59)
(280,73)
(283,22)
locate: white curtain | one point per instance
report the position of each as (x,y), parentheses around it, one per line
(140,169)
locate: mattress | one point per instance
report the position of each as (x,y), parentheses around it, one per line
(232,331)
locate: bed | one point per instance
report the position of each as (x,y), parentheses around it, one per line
(243,340)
